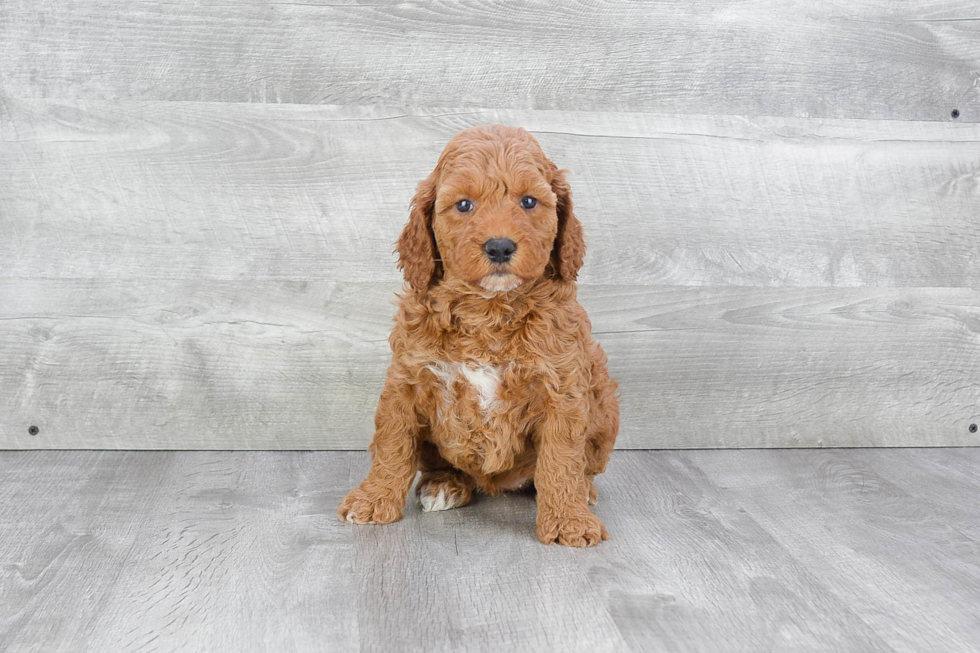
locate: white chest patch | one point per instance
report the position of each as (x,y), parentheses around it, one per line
(484,379)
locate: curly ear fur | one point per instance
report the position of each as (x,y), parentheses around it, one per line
(418,256)
(569,251)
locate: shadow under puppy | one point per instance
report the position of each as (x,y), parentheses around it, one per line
(495,382)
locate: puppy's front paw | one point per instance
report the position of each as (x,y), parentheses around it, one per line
(580,529)
(363,507)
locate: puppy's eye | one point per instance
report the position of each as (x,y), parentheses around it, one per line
(528,202)
(464,206)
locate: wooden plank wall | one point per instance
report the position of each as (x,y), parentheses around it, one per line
(198,203)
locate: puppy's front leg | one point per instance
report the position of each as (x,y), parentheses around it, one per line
(380,499)
(562,487)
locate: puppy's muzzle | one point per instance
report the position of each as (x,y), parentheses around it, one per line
(499,250)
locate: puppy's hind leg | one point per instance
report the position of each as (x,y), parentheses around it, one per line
(603,428)
(442,487)
(444,490)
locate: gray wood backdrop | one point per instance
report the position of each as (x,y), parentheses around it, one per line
(198,202)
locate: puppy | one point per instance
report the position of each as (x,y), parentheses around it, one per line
(495,382)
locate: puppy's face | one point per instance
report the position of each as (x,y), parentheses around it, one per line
(495,217)
(495,212)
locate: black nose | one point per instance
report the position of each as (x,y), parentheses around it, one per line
(499,250)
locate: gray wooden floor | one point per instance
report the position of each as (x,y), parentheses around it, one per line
(751,550)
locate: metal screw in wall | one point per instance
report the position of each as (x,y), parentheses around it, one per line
(973,428)
(33,430)
(955,113)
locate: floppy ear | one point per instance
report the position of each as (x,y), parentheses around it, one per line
(417,252)
(569,250)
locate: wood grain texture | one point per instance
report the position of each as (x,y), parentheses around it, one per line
(87,527)
(233,365)
(117,190)
(782,214)
(465,581)
(289,365)
(864,513)
(750,550)
(153,552)
(818,58)
(700,574)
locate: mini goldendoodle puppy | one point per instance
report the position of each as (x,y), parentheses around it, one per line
(495,382)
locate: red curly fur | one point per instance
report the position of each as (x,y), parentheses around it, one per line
(495,382)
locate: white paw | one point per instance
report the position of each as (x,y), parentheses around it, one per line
(441,501)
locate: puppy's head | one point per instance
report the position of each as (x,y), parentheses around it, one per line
(496,212)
